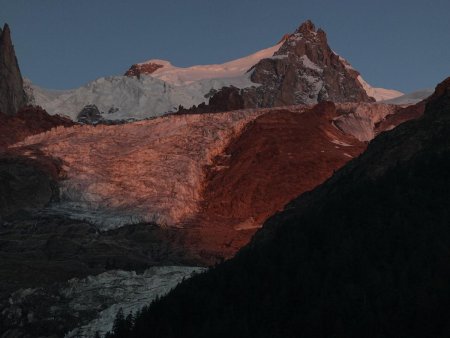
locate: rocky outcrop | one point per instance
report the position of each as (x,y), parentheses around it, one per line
(365,120)
(139,69)
(28,121)
(24,187)
(303,71)
(224,99)
(90,115)
(12,94)
(27,182)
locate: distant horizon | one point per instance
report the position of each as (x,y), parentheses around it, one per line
(403,46)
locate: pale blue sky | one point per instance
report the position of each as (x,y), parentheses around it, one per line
(403,45)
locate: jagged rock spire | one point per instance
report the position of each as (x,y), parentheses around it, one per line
(306,27)
(12,94)
(304,70)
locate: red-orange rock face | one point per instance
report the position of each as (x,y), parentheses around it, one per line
(279,155)
(142,69)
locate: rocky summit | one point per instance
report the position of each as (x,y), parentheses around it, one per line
(12,94)
(142,68)
(303,71)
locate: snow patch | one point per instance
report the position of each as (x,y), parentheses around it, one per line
(411,98)
(379,94)
(340,143)
(309,64)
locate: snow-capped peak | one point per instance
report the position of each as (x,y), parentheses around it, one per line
(185,75)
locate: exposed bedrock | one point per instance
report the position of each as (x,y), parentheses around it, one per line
(12,94)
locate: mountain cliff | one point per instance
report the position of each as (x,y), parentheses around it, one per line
(12,94)
(304,70)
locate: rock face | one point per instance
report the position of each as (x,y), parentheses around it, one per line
(12,94)
(28,121)
(90,115)
(139,69)
(23,187)
(26,182)
(224,99)
(303,71)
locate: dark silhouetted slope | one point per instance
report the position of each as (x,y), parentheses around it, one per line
(366,254)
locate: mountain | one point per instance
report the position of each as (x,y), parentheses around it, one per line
(214,178)
(149,94)
(301,68)
(89,209)
(363,255)
(304,70)
(186,190)
(12,94)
